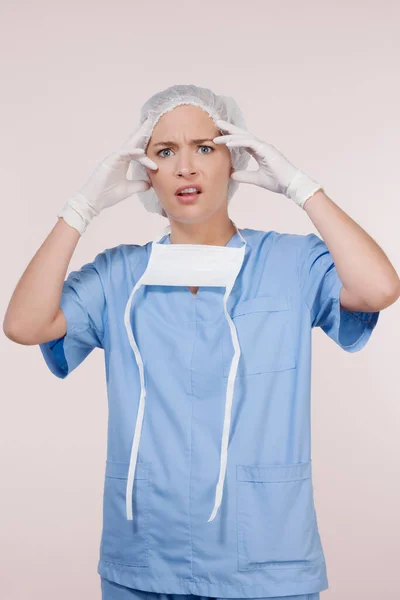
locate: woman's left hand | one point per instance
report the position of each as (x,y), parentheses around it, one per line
(275,172)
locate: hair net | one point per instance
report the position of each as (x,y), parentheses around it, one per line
(218,107)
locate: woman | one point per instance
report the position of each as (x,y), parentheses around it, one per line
(225,364)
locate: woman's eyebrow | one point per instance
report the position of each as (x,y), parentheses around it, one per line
(196,141)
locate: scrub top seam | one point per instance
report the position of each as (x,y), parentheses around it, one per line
(191,443)
(104,312)
(303,299)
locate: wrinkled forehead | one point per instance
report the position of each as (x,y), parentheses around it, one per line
(190,119)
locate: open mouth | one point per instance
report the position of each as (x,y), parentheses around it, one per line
(188,197)
(188,193)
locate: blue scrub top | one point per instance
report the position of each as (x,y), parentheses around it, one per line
(264,540)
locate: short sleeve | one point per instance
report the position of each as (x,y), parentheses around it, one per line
(320,287)
(83,303)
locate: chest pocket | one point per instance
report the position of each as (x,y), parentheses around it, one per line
(264,327)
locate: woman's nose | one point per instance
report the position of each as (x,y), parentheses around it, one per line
(185,164)
(186,170)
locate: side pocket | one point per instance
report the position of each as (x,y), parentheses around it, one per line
(125,542)
(276,519)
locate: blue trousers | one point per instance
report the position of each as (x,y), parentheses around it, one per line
(113,591)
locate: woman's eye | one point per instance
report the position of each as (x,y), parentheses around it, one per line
(168,149)
(163,150)
(209,147)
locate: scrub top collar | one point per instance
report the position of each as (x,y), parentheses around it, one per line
(234,242)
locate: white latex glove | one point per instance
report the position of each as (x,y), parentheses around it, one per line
(275,172)
(108,184)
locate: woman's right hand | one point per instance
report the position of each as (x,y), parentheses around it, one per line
(108,184)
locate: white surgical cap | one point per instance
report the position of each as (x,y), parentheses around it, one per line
(218,107)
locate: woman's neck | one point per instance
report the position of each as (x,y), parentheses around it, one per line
(218,236)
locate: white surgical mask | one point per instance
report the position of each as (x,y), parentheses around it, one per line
(188,265)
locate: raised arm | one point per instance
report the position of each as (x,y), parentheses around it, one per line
(33,315)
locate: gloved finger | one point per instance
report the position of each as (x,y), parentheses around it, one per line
(254,177)
(143,129)
(147,162)
(139,155)
(247,142)
(138,136)
(222,139)
(245,176)
(226,126)
(133,152)
(226,139)
(140,185)
(264,152)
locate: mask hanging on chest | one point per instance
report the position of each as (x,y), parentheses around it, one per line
(188,265)
(193,265)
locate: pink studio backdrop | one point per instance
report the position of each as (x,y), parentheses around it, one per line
(318,80)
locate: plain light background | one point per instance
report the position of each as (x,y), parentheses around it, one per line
(318,80)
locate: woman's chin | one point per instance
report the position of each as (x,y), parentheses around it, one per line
(185,207)
(194,210)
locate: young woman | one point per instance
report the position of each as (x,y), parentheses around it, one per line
(208,483)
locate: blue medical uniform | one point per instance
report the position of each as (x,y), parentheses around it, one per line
(264,541)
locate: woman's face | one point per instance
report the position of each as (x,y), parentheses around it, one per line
(182,161)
